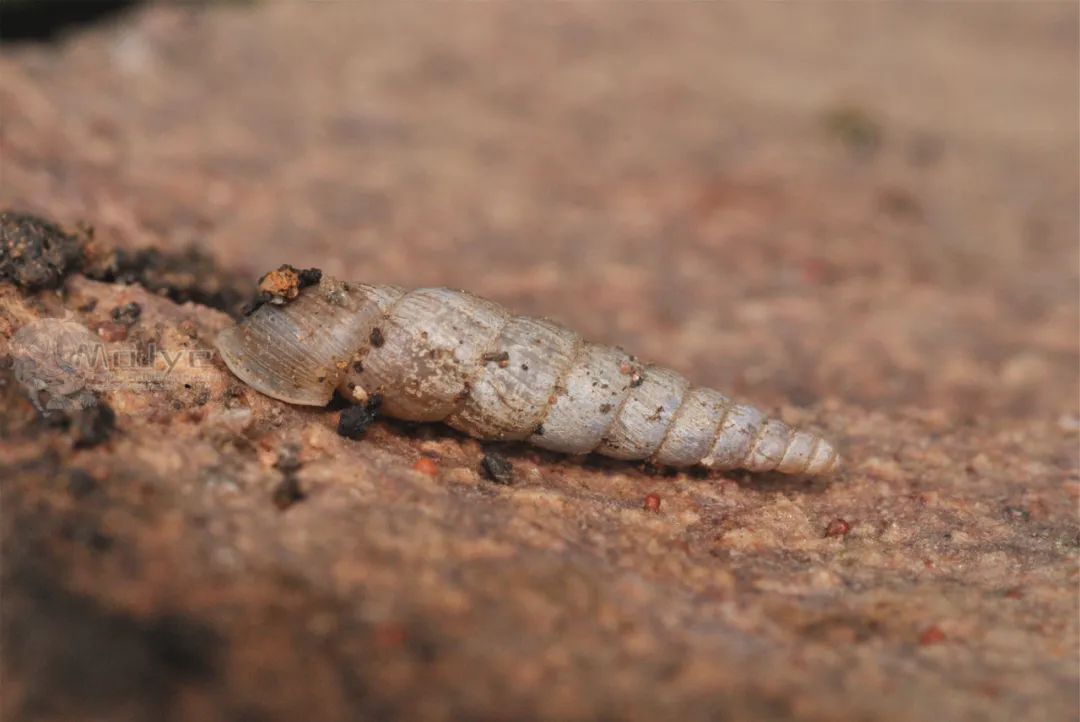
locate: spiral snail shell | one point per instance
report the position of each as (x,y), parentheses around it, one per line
(436,354)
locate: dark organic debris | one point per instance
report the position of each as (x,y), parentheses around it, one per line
(355,420)
(498,468)
(36,254)
(190,275)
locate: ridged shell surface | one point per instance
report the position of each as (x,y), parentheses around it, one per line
(437,354)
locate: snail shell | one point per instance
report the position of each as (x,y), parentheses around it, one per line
(436,354)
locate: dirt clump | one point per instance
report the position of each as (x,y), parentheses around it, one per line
(36,254)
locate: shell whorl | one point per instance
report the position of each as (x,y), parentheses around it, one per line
(436,354)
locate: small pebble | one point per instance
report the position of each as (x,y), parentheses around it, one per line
(281,285)
(498,468)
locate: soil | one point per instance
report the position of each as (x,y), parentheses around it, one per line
(857,216)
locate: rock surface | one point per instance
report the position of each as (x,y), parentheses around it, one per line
(856,215)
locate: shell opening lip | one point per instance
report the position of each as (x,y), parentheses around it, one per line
(233,350)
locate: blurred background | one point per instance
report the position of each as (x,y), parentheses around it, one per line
(874,199)
(865,209)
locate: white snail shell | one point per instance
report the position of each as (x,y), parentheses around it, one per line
(436,354)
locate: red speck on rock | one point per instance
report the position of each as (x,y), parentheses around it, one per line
(426,466)
(837,527)
(931,635)
(390,635)
(652,503)
(815,271)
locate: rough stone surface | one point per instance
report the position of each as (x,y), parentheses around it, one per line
(857,214)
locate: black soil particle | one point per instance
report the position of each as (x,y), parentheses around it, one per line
(288,460)
(127,314)
(498,468)
(287,492)
(36,254)
(309,277)
(354,421)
